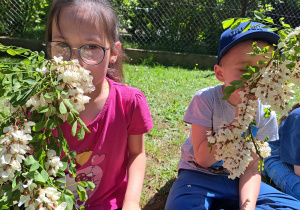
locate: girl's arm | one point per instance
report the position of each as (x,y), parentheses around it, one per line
(249,184)
(205,157)
(297,170)
(135,172)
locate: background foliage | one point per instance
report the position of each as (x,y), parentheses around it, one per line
(192,26)
(24,18)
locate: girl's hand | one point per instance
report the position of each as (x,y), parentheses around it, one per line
(130,205)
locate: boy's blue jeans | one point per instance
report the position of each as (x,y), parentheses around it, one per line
(282,174)
(196,190)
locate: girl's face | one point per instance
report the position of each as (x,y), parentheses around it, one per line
(77,28)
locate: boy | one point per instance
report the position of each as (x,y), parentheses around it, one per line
(202,181)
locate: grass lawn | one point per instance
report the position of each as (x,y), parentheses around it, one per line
(169,91)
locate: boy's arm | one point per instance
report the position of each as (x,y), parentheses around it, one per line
(205,156)
(135,172)
(297,170)
(249,184)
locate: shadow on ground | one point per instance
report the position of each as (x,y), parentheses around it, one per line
(158,201)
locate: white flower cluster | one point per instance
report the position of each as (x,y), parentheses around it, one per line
(273,86)
(34,197)
(13,151)
(264,149)
(53,163)
(14,147)
(232,146)
(72,78)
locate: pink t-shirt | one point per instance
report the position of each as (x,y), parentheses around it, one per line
(102,155)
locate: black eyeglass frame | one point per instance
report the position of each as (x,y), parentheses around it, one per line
(75,48)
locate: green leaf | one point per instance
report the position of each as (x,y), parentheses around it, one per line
(236,82)
(28,175)
(62,108)
(42,109)
(37,137)
(30,81)
(74,128)
(70,118)
(247,76)
(82,193)
(235,24)
(65,92)
(50,124)
(45,174)
(58,94)
(91,185)
(38,177)
(29,160)
(72,154)
(260,62)
(74,111)
(269,20)
(268,112)
(227,23)
(68,192)
(68,199)
(60,173)
(83,183)
(34,166)
(225,97)
(39,126)
(72,168)
(251,54)
(26,61)
(83,125)
(247,27)
(57,120)
(60,181)
(229,89)
(11,52)
(25,97)
(47,95)
(259,15)
(14,183)
(68,103)
(80,133)
(21,51)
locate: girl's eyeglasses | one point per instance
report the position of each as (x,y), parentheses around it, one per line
(91,54)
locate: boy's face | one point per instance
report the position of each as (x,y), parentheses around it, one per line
(233,63)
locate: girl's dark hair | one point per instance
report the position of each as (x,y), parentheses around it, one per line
(105,14)
(297,105)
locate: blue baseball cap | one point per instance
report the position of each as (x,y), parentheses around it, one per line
(230,38)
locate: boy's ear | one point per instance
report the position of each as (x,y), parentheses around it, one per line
(219,73)
(115,52)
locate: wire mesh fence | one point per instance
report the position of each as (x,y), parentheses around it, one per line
(12,16)
(192,26)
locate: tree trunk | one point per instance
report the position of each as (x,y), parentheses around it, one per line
(244,8)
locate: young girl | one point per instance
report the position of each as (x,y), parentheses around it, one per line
(283,166)
(112,156)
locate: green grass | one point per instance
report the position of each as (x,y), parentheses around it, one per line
(169,91)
